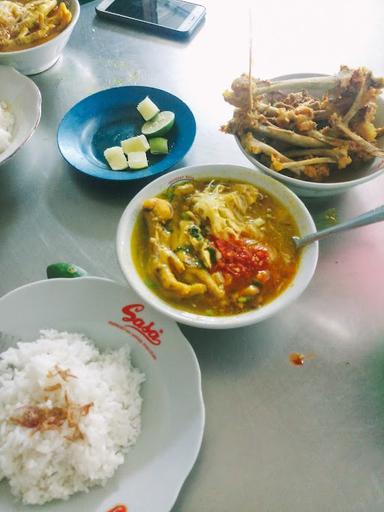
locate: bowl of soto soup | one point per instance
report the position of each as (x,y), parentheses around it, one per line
(34,34)
(210,245)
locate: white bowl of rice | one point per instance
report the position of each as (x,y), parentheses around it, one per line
(20,111)
(99,395)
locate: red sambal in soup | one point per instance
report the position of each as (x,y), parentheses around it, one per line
(215,247)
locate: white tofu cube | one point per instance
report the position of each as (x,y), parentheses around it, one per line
(137,160)
(116,158)
(139,143)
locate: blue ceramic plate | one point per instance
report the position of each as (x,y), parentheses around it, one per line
(104,119)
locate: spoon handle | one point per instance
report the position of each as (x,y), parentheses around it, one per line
(375,215)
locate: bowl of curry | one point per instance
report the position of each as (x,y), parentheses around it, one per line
(211,245)
(33,33)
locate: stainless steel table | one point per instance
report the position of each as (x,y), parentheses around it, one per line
(278,438)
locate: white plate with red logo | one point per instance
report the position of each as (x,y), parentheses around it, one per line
(112,315)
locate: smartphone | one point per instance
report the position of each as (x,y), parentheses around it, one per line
(175,18)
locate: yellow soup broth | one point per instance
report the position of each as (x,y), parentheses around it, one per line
(215,247)
(27,23)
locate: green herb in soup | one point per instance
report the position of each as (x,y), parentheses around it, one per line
(215,247)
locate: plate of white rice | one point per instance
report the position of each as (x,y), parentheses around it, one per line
(7,123)
(20,111)
(100,400)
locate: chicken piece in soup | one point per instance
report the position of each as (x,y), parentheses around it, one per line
(215,247)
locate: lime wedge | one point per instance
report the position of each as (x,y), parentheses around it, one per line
(159,125)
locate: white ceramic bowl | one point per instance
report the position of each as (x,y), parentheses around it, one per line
(283,194)
(173,410)
(43,56)
(346,179)
(24,100)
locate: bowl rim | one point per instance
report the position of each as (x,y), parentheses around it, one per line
(307,265)
(308,185)
(70,26)
(9,153)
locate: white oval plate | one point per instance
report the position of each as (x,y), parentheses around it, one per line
(173,411)
(24,99)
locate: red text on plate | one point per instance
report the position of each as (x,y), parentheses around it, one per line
(149,331)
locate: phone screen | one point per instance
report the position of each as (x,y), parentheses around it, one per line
(169,13)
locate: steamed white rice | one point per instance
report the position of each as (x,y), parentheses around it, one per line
(7,122)
(41,466)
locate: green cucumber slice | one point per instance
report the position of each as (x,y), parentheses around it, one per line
(158,146)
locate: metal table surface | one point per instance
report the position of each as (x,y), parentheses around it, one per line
(277,438)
